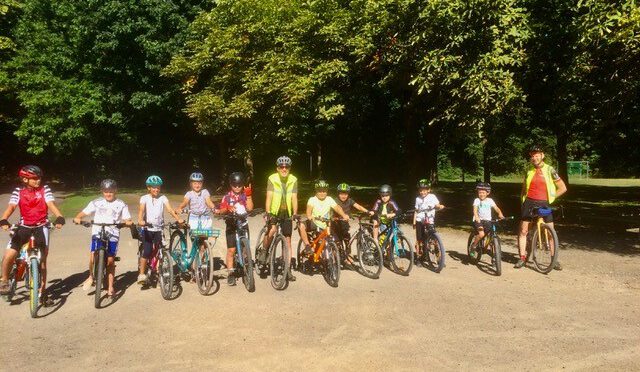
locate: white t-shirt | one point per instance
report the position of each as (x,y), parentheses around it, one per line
(154,210)
(484,208)
(115,211)
(198,201)
(428,202)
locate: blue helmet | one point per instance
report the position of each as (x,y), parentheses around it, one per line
(196,176)
(154,180)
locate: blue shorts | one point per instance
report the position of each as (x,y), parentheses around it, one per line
(97,243)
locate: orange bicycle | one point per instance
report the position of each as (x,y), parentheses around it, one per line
(326,255)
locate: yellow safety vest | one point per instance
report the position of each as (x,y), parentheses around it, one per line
(274,208)
(548,179)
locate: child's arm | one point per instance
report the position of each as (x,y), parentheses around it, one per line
(249,203)
(141,210)
(339,211)
(171,211)
(498,211)
(59,218)
(310,212)
(476,217)
(184,203)
(7,213)
(360,208)
(415,214)
(210,204)
(77,219)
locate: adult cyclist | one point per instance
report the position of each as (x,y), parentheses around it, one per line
(542,186)
(281,204)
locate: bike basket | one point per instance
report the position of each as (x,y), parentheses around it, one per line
(544,212)
(209,233)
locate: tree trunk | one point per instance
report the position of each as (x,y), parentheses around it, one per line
(223,152)
(561,149)
(432,142)
(319,159)
(411,146)
(485,161)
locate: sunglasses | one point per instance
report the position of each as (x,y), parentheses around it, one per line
(236,185)
(283,167)
(385,194)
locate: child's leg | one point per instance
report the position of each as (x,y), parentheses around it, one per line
(302,229)
(7,262)
(375,230)
(111,271)
(231,252)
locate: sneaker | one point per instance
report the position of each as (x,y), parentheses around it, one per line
(291,277)
(231,280)
(519,264)
(142,279)
(558,266)
(87,284)
(4,287)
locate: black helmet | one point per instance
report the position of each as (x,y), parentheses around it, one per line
(385,189)
(534,148)
(236,179)
(343,187)
(483,186)
(108,185)
(321,185)
(30,171)
(424,184)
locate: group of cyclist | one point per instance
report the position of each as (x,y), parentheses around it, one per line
(541,186)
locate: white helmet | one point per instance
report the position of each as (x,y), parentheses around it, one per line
(283,160)
(195,176)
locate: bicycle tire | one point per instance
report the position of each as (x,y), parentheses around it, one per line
(177,244)
(302,262)
(203,268)
(331,264)
(470,250)
(261,267)
(98,275)
(436,252)
(544,260)
(165,274)
(402,258)
(34,279)
(369,256)
(279,263)
(497,255)
(247,278)
(12,284)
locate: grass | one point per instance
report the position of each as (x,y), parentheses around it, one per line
(76,201)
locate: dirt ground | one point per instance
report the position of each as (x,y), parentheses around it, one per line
(586,317)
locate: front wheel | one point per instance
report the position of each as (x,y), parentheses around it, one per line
(279,263)
(248,279)
(435,252)
(261,259)
(203,267)
(544,248)
(165,275)
(401,254)
(369,256)
(474,253)
(331,256)
(34,280)
(98,275)
(497,255)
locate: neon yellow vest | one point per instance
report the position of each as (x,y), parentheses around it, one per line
(551,186)
(274,208)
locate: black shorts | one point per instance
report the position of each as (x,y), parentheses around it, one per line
(286,226)
(149,238)
(23,234)
(484,225)
(230,233)
(340,229)
(527,209)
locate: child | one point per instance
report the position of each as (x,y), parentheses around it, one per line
(425,212)
(239,200)
(151,211)
(106,209)
(200,204)
(34,202)
(482,206)
(321,206)
(383,211)
(340,228)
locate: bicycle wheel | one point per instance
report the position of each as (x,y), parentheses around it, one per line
(401,255)
(203,268)
(497,255)
(474,253)
(165,274)
(261,259)
(435,250)
(248,279)
(177,245)
(279,263)
(545,250)
(12,284)
(331,258)
(369,257)
(303,263)
(34,280)
(98,275)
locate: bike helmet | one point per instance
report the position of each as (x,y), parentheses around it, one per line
(321,185)
(424,184)
(30,172)
(236,179)
(283,161)
(534,148)
(154,181)
(483,186)
(196,176)
(343,187)
(108,185)
(385,189)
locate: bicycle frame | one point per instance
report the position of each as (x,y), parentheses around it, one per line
(318,244)
(242,231)
(392,237)
(184,261)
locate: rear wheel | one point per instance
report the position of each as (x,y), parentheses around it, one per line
(165,275)
(474,252)
(303,264)
(34,280)
(261,259)
(98,275)
(248,279)
(401,255)
(279,263)
(497,255)
(331,256)
(545,248)
(369,256)
(435,252)
(203,267)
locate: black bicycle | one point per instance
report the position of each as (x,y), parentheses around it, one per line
(370,256)
(275,258)
(431,247)
(489,244)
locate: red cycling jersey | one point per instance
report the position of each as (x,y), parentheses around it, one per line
(231,199)
(32,203)
(538,187)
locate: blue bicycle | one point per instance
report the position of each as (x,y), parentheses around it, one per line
(397,248)
(198,261)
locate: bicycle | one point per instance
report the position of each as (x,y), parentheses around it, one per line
(277,254)
(490,244)
(542,243)
(432,251)
(99,256)
(198,263)
(325,254)
(27,267)
(397,248)
(162,273)
(370,256)
(243,259)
